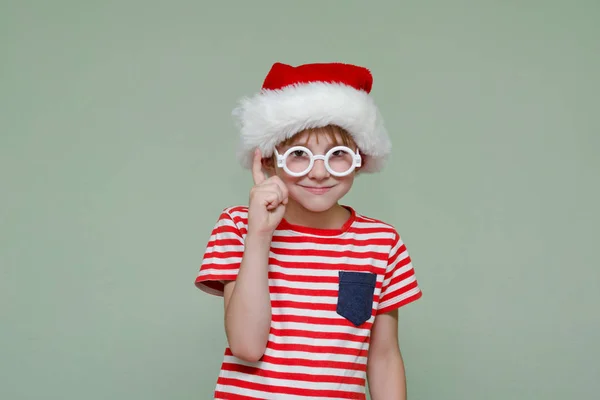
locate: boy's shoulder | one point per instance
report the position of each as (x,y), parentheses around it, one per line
(235,209)
(375,222)
(236,213)
(239,215)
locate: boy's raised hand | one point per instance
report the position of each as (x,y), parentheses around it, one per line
(268,198)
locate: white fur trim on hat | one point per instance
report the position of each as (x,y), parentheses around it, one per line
(272,116)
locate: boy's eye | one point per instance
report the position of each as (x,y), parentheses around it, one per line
(298,153)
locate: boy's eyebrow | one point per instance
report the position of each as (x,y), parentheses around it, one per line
(305,144)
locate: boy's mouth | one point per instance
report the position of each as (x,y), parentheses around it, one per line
(316,189)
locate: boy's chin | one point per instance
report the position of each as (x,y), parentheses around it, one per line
(318,204)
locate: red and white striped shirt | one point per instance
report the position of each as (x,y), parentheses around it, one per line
(313,351)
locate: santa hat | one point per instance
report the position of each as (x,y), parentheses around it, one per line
(311,96)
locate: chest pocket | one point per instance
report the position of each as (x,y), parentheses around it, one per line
(355,296)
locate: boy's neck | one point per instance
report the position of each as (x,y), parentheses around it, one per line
(334,218)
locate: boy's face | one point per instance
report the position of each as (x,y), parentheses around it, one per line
(318,190)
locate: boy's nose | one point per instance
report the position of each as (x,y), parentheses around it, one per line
(318,170)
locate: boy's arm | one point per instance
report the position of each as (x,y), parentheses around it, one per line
(385,367)
(247,302)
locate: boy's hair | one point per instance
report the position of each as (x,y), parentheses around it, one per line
(332,131)
(339,136)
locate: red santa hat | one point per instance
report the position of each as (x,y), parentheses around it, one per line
(310,96)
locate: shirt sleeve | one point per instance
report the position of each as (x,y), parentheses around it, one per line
(222,257)
(400,285)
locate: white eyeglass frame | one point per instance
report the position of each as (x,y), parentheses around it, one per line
(356,160)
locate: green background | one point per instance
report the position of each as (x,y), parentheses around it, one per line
(117,155)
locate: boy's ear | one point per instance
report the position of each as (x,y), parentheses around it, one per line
(268,165)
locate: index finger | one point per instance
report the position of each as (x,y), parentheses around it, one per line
(257,173)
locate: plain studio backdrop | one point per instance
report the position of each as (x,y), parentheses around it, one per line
(117,156)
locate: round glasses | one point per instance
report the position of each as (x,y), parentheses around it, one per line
(298,160)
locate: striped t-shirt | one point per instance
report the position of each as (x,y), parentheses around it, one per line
(326,287)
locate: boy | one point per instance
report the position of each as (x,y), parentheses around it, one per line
(311,288)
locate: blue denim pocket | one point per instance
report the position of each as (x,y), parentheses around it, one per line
(355,296)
